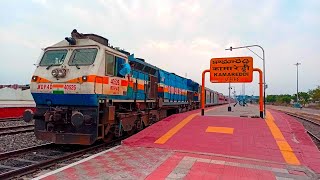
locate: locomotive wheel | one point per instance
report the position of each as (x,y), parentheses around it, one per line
(109,137)
(132,131)
(109,134)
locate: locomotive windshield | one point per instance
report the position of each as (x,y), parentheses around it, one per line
(83,57)
(53,57)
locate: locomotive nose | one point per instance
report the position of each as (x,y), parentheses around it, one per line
(28,115)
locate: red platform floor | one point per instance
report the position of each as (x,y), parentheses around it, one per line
(190,146)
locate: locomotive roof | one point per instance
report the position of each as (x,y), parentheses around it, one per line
(97,38)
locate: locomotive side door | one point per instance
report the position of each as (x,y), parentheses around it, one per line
(189,96)
(153,91)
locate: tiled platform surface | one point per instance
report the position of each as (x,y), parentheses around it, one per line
(243,111)
(164,151)
(125,162)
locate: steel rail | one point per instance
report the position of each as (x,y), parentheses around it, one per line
(314,136)
(10,119)
(309,121)
(303,118)
(50,162)
(16,129)
(8,128)
(8,154)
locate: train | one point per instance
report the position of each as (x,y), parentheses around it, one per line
(86,90)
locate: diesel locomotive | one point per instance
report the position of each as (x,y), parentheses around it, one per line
(86,90)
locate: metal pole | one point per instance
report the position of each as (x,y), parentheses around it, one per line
(297,83)
(229,108)
(297,64)
(264,70)
(260,91)
(202,91)
(234,93)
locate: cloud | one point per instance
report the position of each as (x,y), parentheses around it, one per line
(14,38)
(42,2)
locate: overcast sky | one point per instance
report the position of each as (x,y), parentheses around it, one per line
(178,36)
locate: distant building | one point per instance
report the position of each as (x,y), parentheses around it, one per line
(247,99)
(15,86)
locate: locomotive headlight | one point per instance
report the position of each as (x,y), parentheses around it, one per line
(55,73)
(60,73)
(84,78)
(63,72)
(34,78)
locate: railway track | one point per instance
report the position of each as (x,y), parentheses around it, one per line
(29,160)
(312,127)
(10,119)
(16,129)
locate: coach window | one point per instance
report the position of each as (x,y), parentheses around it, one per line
(110,64)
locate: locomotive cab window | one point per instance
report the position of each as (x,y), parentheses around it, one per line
(53,57)
(82,57)
(110,64)
(116,66)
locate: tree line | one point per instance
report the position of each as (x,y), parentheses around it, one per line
(312,96)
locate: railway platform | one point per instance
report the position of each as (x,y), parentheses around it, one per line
(219,145)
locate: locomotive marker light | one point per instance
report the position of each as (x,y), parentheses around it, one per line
(84,78)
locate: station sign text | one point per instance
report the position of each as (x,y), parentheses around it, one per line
(233,70)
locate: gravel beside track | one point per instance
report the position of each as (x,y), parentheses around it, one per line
(18,141)
(14,122)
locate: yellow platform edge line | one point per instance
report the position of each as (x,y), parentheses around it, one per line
(284,147)
(225,130)
(163,139)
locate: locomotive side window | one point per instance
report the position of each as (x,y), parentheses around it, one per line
(110,64)
(83,57)
(53,57)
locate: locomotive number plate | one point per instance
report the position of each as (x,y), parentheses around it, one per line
(58,88)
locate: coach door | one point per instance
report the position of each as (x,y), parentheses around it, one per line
(153,87)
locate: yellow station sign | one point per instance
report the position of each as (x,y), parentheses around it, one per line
(231,69)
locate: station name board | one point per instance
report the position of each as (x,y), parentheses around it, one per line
(231,69)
